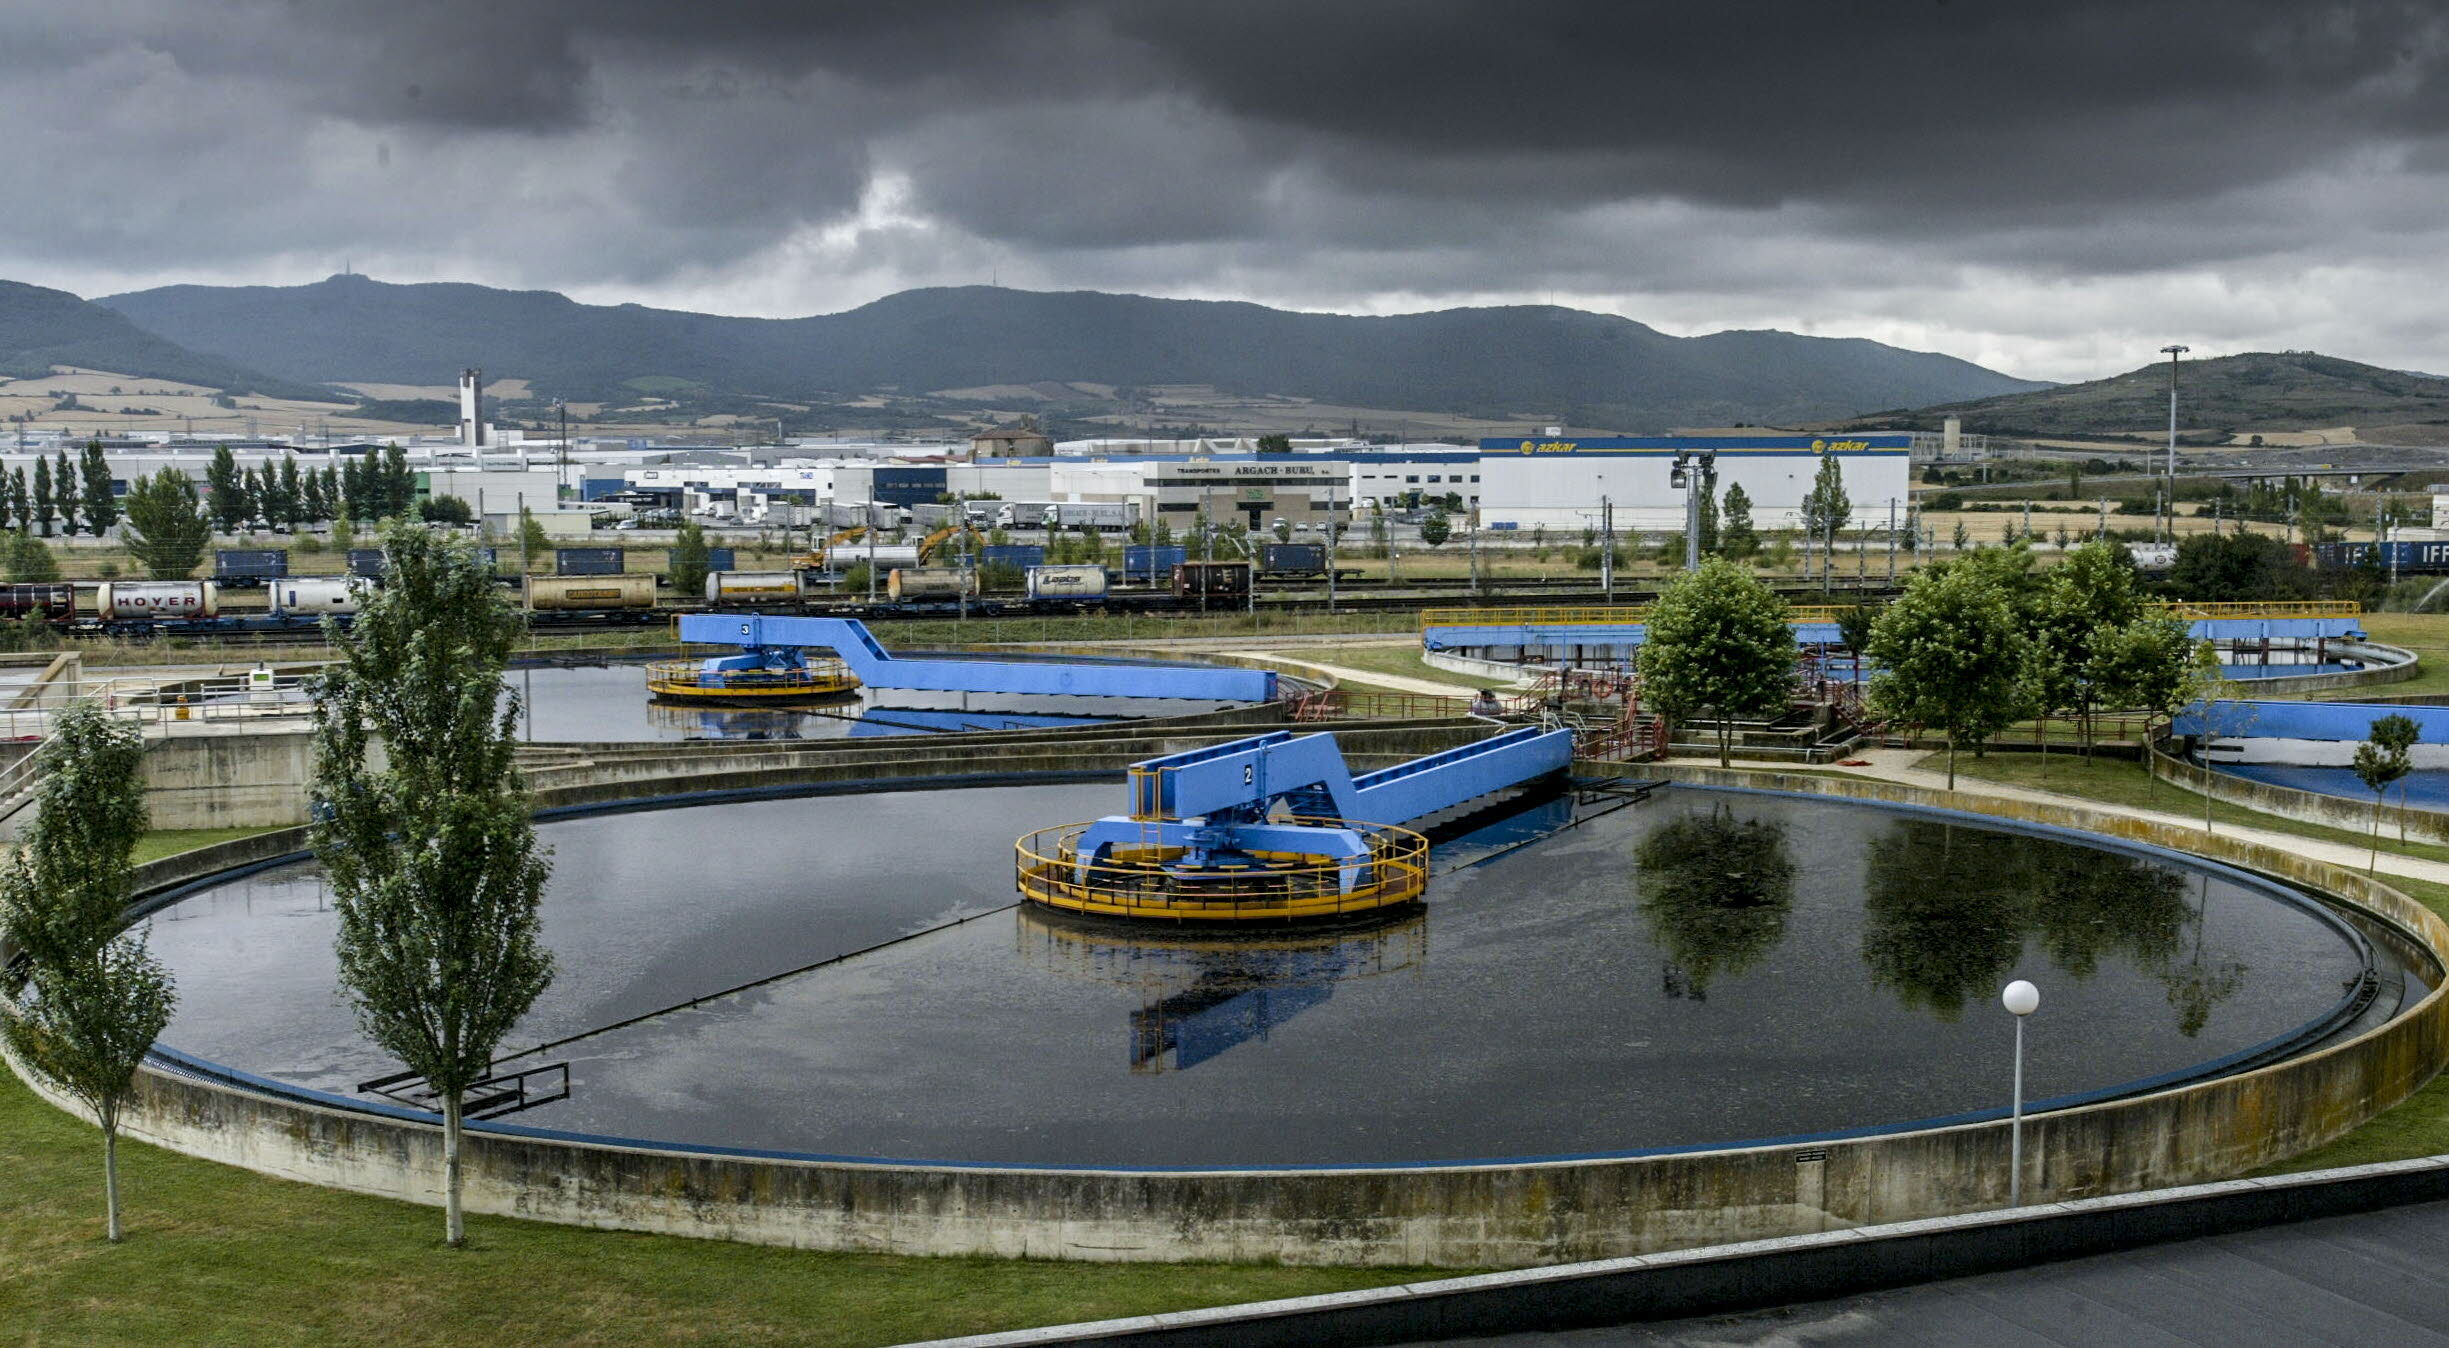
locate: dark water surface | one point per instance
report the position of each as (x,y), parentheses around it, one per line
(601,703)
(1706,967)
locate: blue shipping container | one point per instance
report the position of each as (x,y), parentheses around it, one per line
(717,559)
(366,562)
(588,562)
(250,563)
(1142,562)
(597,488)
(1014,554)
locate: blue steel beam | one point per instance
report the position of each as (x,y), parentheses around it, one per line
(876,667)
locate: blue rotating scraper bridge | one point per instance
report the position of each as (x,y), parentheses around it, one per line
(1271,829)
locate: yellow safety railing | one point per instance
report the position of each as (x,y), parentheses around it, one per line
(1148,881)
(1627,614)
(691,679)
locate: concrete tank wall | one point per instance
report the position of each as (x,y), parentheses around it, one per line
(1468,1215)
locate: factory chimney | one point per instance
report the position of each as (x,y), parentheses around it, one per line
(471,411)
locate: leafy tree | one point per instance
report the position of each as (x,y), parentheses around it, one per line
(1950,653)
(42,495)
(223,490)
(28,560)
(1854,623)
(1436,529)
(433,862)
(167,530)
(689,560)
(1718,639)
(64,490)
(2386,755)
(445,510)
(20,501)
(1275,444)
(353,492)
(292,493)
(2084,599)
(2230,568)
(532,538)
(344,533)
(1827,509)
(101,504)
(94,997)
(1736,537)
(399,485)
(2147,664)
(1709,515)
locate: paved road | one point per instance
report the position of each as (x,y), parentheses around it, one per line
(2370,1279)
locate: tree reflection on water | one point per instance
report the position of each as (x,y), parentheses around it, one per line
(1948,911)
(1716,890)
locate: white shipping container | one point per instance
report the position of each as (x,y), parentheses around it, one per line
(1067,582)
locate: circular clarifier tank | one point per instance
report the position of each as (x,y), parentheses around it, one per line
(1586,976)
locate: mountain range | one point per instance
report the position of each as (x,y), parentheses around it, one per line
(1520,362)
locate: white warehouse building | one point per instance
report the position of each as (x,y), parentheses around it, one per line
(1566,485)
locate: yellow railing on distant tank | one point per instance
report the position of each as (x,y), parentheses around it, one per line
(1627,614)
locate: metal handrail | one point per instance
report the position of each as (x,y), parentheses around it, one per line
(1047,869)
(1623,615)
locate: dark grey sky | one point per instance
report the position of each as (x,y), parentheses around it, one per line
(2055,189)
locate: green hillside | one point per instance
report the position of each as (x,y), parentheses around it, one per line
(40,328)
(2256,391)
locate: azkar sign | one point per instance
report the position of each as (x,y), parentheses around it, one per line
(1836,446)
(1549,446)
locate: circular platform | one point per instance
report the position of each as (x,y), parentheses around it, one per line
(1157,883)
(689,681)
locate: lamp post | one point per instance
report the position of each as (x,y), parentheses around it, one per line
(1692,472)
(2172,352)
(2021,999)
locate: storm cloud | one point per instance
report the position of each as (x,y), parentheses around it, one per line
(2052,189)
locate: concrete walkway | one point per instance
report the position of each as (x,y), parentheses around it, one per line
(1897,765)
(1402,683)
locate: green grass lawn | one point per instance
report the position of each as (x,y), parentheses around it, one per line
(163,842)
(2118,781)
(216,1255)
(2426,634)
(1399,660)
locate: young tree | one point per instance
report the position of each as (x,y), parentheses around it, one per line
(353,494)
(224,491)
(64,490)
(2386,755)
(42,495)
(1436,529)
(167,530)
(20,501)
(432,858)
(2147,664)
(1827,510)
(1951,655)
(94,997)
(101,504)
(445,510)
(28,560)
(1718,639)
(689,561)
(292,493)
(532,538)
(1275,444)
(1736,537)
(1710,531)
(399,485)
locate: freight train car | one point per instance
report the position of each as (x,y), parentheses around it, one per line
(303,596)
(125,600)
(924,583)
(623,595)
(729,589)
(2407,559)
(53,603)
(1212,581)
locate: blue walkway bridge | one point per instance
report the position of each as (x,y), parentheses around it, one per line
(1273,827)
(775,642)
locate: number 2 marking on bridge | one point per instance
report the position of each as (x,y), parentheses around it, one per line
(1249,773)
